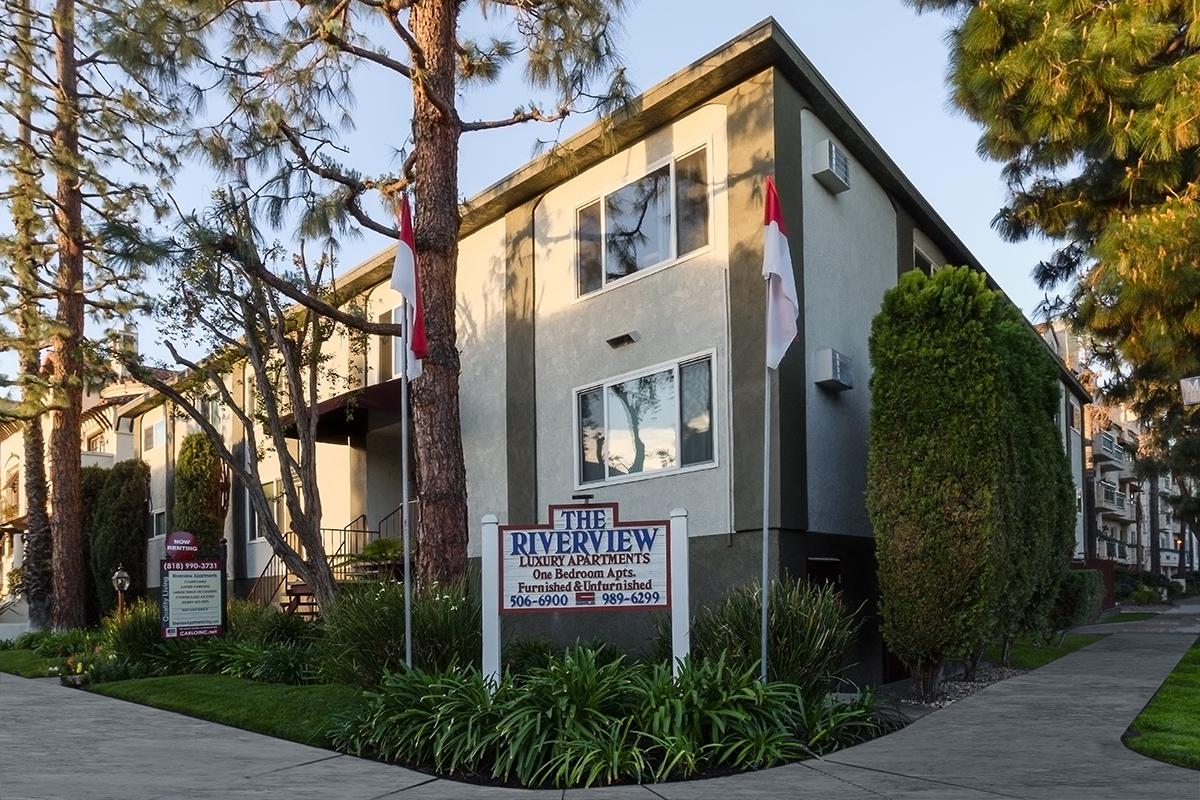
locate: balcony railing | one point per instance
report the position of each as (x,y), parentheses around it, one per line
(1113,501)
(1105,447)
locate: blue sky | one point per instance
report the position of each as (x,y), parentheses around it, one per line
(885,61)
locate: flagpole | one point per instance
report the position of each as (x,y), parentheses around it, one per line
(766,511)
(404,513)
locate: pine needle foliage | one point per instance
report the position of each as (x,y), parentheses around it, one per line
(1091,106)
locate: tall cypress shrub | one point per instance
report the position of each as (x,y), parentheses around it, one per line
(92,485)
(1040,517)
(200,492)
(936,466)
(119,529)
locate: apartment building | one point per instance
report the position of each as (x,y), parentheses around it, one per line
(1117,499)
(106,438)
(611,329)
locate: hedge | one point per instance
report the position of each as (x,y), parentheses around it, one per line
(119,529)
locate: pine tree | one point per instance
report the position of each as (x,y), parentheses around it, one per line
(287,74)
(89,128)
(1092,107)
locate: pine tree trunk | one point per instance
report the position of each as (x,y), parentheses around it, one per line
(441,475)
(65,450)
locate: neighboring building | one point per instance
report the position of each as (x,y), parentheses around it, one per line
(611,329)
(105,438)
(1117,518)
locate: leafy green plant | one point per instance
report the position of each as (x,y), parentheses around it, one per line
(135,637)
(71,642)
(810,631)
(1145,596)
(264,624)
(837,720)
(364,631)
(444,720)
(716,713)
(575,697)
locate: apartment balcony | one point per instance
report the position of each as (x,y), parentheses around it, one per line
(10,509)
(104,460)
(1168,558)
(1113,504)
(1106,453)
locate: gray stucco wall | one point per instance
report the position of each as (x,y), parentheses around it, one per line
(678,311)
(850,260)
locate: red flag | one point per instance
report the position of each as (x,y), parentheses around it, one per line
(407,281)
(783,304)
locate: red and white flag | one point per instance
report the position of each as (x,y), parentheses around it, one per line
(783,304)
(407,282)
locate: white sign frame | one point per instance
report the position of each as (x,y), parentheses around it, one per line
(677,602)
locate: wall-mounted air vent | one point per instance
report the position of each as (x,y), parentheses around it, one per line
(832,167)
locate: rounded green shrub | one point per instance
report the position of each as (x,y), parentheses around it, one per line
(1078,599)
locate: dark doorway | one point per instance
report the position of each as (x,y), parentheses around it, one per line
(825,571)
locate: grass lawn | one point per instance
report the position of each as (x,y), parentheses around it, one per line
(1028,653)
(298,713)
(26,663)
(1127,616)
(1168,729)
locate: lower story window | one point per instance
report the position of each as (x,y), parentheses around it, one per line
(656,421)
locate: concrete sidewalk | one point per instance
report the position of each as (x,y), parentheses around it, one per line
(1053,734)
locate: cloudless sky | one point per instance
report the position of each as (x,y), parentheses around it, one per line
(886,62)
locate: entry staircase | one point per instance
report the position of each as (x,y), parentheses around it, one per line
(277,584)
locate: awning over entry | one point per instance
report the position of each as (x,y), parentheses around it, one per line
(348,416)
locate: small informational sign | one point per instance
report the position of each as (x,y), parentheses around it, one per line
(181,546)
(585,559)
(193,598)
(1191,390)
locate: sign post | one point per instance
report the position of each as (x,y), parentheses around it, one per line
(192,599)
(584,559)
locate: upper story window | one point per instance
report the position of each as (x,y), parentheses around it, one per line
(657,421)
(154,435)
(922,262)
(95,443)
(662,216)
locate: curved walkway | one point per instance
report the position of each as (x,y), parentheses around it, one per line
(1054,733)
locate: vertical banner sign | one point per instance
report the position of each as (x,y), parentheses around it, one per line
(585,559)
(192,600)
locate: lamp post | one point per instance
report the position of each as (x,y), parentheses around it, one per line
(120,582)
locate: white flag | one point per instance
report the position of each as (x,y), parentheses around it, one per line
(407,281)
(783,304)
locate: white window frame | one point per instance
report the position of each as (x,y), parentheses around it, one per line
(674,258)
(917,251)
(1075,416)
(605,383)
(154,516)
